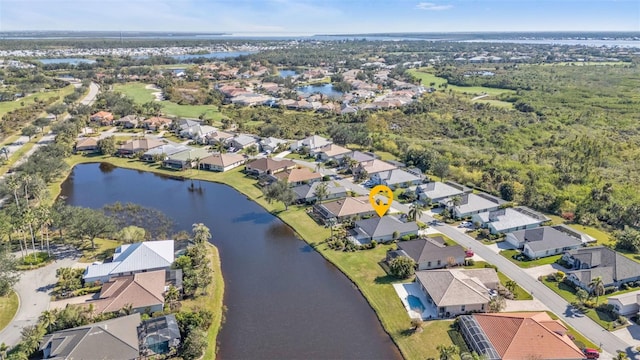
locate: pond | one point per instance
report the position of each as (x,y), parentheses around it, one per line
(71,61)
(284,300)
(325,89)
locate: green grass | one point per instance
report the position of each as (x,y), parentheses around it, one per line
(7,106)
(14,157)
(212,301)
(602,237)
(427,78)
(104,249)
(8,309)
(361,267)
(141,95)
(529,264)
(386,155)
(296,156)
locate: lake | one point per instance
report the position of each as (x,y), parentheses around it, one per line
(325,89)
(286,73)
(284,300)
(72,61)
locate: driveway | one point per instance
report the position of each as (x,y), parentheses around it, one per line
(34,290)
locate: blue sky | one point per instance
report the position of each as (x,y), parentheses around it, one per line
(321,16)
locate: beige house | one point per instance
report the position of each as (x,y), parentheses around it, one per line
(142,291)
(221,162)
(87,145)
(268,166)
(458,291)
(343,209)
(332,152)
(298,176)
(136,146)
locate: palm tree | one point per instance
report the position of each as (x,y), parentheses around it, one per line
(319,166)
(448,352)
(620,355)
(321,192)
(127,309)
(218,146)
(415,211)
(13,185)
(511,285)
(31,336)
(454,202)
(597,287)
(201,233)
(48,319)
(172,296)
(3,351)
(582,296)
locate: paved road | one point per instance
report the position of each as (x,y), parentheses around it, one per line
(89,99)
(34,290)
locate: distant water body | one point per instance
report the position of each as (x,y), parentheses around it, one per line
(185,57)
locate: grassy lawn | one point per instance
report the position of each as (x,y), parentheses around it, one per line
(296,156)
(9,140)
(141,95)
(14,157)
(7,106)
(8,308)
(212,301)
(361,267)
(529,264)
(386,155)
(602,237)
(428,77)
(104,250)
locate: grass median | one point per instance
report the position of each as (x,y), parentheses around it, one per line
(8,308)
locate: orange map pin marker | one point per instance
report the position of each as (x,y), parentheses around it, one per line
(380,207)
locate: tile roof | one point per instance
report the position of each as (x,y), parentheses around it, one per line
(269,164)
(141,290)
(307,191)
(377,166)
(627,298)
(144,144)
(87,142)
(386,225)
(517,336)
(545,238)
(168,150)
(190,154)
(348,206)
(430,249)
(223,160)
(135,257)
(451,287)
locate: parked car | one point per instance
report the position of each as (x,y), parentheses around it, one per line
(591,353)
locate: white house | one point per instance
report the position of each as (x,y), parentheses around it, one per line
(133,258)
(471,204)
(312,143)
(542,241)
(243,141)
(332,152)
(436,191)
(396,178)
(221,162)
(509,219)
(270,144)
(626,304)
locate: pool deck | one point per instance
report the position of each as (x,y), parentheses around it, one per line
(406,289)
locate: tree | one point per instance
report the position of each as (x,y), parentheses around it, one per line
(201,233)
(417,325)
(582,295)
(9,274)
(628,239)
(194,344)
(172,296)
(507,191)
(48,319)
(90,223)
(441,168)
(415,211)
(597,287)
(5,151)
(41,123)
(29,131)
(31,336)
(131,234)
(453,203)
(251,150)
(57,109)
(402,267)
(511,285)
(321,192)
(620,355)
(448,352)
(279,191)
(107,146)
(497,304)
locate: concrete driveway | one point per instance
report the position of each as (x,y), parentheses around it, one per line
(34,290)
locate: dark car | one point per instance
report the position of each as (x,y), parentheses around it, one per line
(591,353)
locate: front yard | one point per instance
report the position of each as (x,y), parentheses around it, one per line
(518,292)
(526,264)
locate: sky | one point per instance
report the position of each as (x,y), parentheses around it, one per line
(271,17)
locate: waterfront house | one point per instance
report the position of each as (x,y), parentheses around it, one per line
(396,178)
(344,209)
(268,166)
(115,339)
(627,304)
(471,204)
(185,159)
(312,143)
(331,152)
(543,241)
(517,336)
(104,118)
(458,291)
(159,335)
(143,291)
(509,219)
(307,192)
(87,145)
(430,253)
(221,162)
(434,192)
(138,146)
(588,263)
(162,152)
(133,258)
(382,229)
(297,176)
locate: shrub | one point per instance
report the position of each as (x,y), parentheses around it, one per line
(470,262)
(405,238)
(491,266)
(374,244)
(609,289)
(402,267)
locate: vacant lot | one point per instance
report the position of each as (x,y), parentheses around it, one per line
(428,78)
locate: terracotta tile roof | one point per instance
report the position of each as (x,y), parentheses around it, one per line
(102,114)
(517,336)
(298,175)
(140,290)
(157,120)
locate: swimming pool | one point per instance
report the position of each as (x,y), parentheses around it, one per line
(415,304)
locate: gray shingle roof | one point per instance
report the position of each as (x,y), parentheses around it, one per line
(307,191)
(609,264)
(545,238)
(431,249)
(386,225)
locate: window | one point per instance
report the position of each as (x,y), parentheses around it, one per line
(482,307)
(438,262)
(462,308)
(429,264)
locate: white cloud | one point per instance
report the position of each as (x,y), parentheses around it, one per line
(432,6)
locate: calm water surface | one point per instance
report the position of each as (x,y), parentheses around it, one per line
(325,89)
(284,300)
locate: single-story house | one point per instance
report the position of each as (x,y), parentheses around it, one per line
(382,229)
(585,238)
(430,253)
(270,144)
(331,152)
(136,146)
(89,145)
(375,166)
(543,241)
(588,263)
(363,158)
(627,304)
(156,123)
(312,143)
(103,117)
(307,192)
(159,335)
(518,336)
(133,258)
(243,141)
(458,291)
(144,291)
(129,121)
(297,176)
(185,159)
(115,339)
(221,162)
(472,204)
(268,166)
(509,219)
(344,209)
(396,178)
(218,136)
(436,191)
(163,151)
(197,132)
